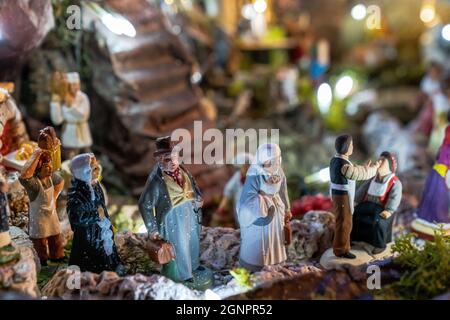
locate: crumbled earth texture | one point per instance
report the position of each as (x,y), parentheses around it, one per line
(21,276)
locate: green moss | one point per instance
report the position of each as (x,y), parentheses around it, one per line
(426,270)
(243,277)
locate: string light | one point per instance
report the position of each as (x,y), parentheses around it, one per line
(359,12)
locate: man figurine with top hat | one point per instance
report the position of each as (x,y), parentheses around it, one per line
(171,208)
(72,111)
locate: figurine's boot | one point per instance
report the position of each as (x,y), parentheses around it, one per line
(347,255)
(8,254)
(378,250)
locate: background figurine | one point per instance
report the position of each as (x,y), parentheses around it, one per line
(7,251)
(233,189)
(12,128)
(434,205)
(72,110)
(171,208)
(343,176)
(377,200)
(43,186)
(93,247)
(263,211)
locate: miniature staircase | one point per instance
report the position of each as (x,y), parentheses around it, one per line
(142,91)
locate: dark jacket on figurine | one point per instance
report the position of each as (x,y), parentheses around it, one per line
(93,247)
(4,212)
(155,203)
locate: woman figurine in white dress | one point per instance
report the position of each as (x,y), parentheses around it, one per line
(263,211)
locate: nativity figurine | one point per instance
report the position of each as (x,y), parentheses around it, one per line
(377,200)
(43,186)
(343,175)
(8,252)
(264,211)
(72,110)
(171,208)
(93,247)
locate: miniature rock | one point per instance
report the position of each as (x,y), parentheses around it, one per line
(21,276)
(311,235)
(108,285)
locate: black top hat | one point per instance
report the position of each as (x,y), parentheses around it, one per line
(163,145)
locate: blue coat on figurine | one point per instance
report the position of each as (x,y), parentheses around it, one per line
(171,209)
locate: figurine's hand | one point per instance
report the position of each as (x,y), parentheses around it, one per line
(385,214)
(155,236)
(199,203)
(101,213)
(378,164)
(4,187)
(56,98)
(287,217)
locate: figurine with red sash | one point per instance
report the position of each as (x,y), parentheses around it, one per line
(377,200)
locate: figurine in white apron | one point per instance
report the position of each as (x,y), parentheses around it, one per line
(43,187)
(72,111)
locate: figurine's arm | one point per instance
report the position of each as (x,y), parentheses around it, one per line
(362,191)
(285,198)
(30,166)
(31,185)
(58,184)
(147,208)
(81,213)
(56,113)
(78,112)
(395,197)
(359,173)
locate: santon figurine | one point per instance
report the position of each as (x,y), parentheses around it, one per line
(263,211)
(343,176)
(93,247)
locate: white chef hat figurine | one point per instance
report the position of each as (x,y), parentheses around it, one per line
(73,110)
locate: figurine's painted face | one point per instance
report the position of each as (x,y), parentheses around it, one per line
(169,162)
(46,170)
(350,149)
(435,72)
(384,168)
(272,166)
(74,88)
(96,170)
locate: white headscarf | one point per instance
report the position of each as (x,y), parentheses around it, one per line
(80,166)
(266,152)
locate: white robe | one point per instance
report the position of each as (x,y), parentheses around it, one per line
(76,133)
(262,245)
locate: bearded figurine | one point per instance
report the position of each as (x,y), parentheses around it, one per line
(93,247)
(72,111)
(264,211)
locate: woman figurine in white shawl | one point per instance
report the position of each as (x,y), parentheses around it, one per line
(263,211)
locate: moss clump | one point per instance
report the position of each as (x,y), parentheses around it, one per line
(243,277)
(426,270)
